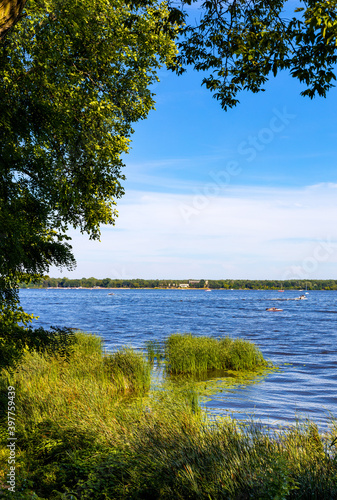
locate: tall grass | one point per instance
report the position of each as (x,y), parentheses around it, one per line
(154,351)
(78,395)
(187,354)
(189,459)
(127,371)
(78,440)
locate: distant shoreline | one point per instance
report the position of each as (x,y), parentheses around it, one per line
(171,288)
(93,283)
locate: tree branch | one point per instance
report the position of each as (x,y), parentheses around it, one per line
(10,13)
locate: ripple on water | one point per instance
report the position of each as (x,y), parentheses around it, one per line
(304,335)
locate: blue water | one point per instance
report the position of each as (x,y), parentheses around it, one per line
(301,339)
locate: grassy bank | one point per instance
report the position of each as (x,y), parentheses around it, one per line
(90,429)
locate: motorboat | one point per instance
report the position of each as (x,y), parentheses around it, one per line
(273,309)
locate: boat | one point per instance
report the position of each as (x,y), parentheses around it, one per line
(208,290)
(301,297)
(111,294)
(274,309)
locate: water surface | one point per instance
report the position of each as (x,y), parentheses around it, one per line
(301,339)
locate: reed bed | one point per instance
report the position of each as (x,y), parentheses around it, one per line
(77,396)
(154,351)
(188,354)
(81,437)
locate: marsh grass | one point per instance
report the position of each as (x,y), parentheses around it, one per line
(78,396)
(127,370)
(81,437)
(154,351)
(188,354)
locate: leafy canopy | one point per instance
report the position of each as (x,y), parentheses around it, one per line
(74,77)
(241,43)
(10,11)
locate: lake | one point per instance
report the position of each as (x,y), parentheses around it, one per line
(301,340)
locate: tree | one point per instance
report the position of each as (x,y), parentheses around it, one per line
(10,11)
(106,282)
(242,43)
(74,77)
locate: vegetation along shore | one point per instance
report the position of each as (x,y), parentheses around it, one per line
(201,284)
(90,427)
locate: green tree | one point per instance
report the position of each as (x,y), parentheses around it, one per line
(74,77)
(242,43)
(10,11)
(106,282)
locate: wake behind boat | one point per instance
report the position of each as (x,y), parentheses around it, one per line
(301,297)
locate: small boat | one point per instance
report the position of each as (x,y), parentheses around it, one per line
(301,297)
(111,294)
(281,290)
(274,309)
(208,290)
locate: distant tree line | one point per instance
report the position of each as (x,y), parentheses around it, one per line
(228,284)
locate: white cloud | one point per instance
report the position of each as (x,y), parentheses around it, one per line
(244,232)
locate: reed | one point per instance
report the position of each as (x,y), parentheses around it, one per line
(192,459)
(154,351)
(79,437)
(188,354)
(78,395)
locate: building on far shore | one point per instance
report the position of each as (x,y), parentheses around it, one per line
(198,283)
(184,285)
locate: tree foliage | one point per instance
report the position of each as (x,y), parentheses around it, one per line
(15,340)
(74,77)
(10,11)
(242,43)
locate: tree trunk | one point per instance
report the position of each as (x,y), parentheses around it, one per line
(10,11)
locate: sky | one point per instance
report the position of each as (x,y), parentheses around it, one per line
(245,194)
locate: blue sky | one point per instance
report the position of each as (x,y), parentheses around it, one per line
(249,193)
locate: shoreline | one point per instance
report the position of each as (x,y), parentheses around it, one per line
(174,288)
